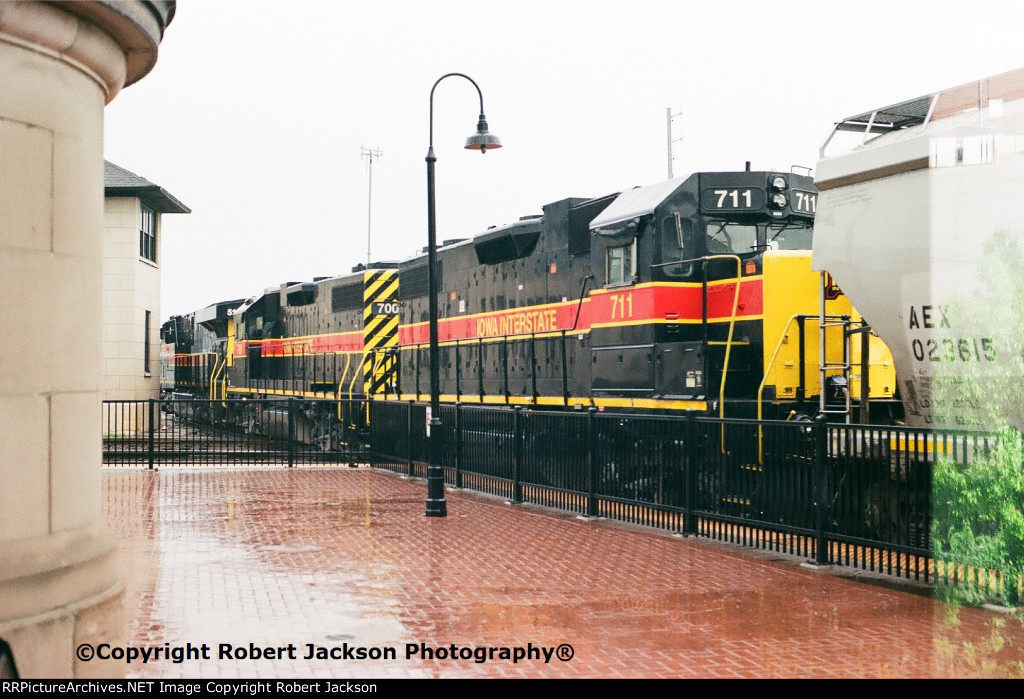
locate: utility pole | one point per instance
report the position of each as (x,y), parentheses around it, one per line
(669,116)
(370,153)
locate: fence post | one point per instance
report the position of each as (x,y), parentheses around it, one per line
(517,468)
(689,473)
(408,431)
(458,445)
(591,461)
(150,406)
(291,432)
(820,433)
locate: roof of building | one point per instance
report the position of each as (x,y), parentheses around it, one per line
(118,182)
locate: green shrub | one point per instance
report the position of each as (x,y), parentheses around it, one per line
(978,521)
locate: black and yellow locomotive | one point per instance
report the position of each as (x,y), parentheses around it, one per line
(694,293)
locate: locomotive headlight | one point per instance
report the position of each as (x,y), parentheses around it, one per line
(778,182)
(779,200)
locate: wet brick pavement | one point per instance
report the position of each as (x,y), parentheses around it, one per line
(329,557)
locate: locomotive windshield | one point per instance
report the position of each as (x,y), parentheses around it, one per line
(790,236)
(727,238)
(678,243)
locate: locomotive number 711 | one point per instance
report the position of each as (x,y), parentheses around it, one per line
(738,199)
(805,202)
(730,198)
(622,306)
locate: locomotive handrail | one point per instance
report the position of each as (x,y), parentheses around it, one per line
(732,320)
(224,385)
(378,361)
(775,354)
(732,317)
(337,392)
(219,364)
(764,380)
(732,325)
(565,374)
(579,306)
(355,373)
(208,374)
(210,377)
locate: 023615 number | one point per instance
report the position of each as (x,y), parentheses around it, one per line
(954,349)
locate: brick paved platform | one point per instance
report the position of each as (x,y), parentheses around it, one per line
(329,557)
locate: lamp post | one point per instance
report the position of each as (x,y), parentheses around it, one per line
(483,141)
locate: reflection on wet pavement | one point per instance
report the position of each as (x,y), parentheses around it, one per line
(336,557)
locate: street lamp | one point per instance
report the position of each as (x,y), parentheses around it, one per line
(483,141)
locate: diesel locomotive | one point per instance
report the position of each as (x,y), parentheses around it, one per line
(693,293)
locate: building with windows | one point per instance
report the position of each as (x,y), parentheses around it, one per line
(131,283)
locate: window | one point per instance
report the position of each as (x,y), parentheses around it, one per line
(676,245)
(145,345)
(621,264)
(725,238)
(147,234)
(790,236)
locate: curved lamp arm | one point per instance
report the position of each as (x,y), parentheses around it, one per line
(482,140)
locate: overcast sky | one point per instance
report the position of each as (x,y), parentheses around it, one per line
(256,113)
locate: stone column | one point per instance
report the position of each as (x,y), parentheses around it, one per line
(60,63)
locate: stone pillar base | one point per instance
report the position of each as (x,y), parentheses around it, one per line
(56,593)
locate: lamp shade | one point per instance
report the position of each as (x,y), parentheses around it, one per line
(483,140)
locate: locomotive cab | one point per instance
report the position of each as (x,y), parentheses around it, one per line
(700,279)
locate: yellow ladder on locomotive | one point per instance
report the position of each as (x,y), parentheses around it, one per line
(833,368)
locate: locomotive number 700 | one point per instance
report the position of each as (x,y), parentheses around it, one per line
(387,308)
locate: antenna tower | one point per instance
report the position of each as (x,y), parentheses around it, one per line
(369,154)
(669,116)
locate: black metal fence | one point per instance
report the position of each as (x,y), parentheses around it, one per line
(849,495)
(858,496)
(234,432)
